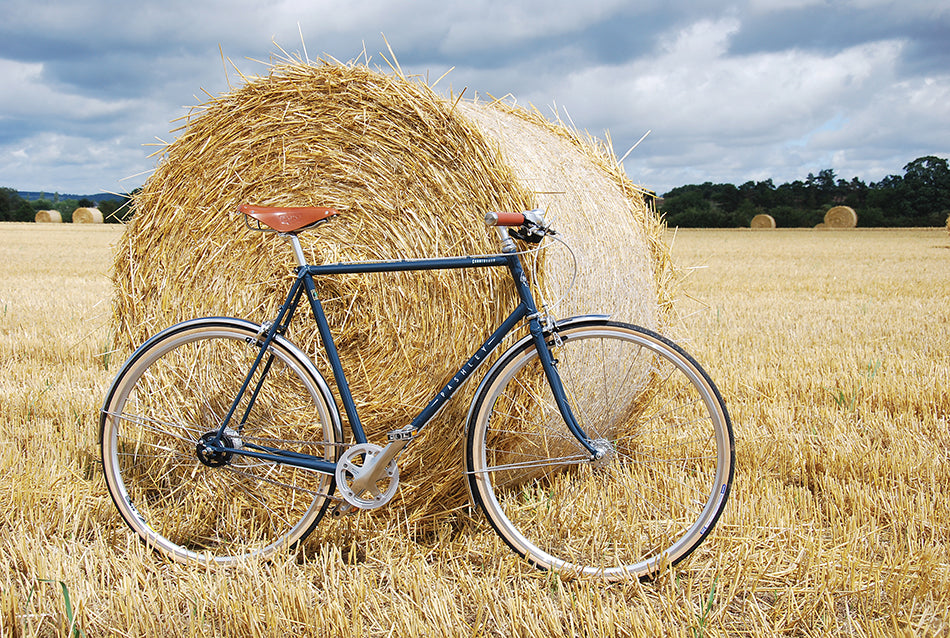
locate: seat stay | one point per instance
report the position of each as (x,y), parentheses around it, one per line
(266,336)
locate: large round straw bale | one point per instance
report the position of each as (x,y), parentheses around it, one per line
(762,221)
(87,216)
(841,217)
(412,174)
(48,217)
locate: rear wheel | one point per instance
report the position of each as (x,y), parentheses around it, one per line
(171,397)
(661,426)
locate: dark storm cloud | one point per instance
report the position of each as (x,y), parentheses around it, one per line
(831,28)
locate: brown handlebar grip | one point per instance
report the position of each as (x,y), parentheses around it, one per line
(504,219)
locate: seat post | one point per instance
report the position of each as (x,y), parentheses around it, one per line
(298,250)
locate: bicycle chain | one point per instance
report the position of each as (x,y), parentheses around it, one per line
(331,497)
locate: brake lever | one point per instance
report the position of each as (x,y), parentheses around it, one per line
(531,232)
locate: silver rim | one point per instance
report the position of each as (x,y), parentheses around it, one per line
(170,394)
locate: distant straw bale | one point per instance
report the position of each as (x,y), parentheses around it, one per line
(841,217)
(87,216)
(412,174)
(821,226)
(48,217)
(762,221)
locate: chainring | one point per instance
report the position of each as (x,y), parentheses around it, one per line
(351,468)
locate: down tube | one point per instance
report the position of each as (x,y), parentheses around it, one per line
(446,393)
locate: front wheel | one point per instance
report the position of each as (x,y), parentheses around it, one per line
(652,412)
(171,397)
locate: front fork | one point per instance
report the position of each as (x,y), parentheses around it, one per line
(549,364)
(538,332)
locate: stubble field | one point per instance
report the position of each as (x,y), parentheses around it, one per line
(831,350)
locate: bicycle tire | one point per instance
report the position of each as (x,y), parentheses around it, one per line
(668,442)
(176,388)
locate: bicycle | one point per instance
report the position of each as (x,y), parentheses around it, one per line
(593,447)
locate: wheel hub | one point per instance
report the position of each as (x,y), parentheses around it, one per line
(217,458)
(605,452)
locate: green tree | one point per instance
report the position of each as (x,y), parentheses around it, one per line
(887,196)
(744,213)
(919,198)
(14,208)
(9,203)
(926,191)
(762,194)
(686,206)
(853,193)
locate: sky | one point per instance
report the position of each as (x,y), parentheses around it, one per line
(728,91)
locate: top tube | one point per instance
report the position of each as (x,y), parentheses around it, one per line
(405,265)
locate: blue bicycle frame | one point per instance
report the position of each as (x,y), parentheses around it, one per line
(304,283)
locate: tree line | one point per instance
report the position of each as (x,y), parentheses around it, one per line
(14,208)
(919,197)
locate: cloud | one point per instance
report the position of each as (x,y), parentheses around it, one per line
(487,25)
(829,28)
(29,95)
(720,116)
(69,164)
(747,90)
(45,130)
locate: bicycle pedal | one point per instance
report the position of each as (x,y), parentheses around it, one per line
(344,509)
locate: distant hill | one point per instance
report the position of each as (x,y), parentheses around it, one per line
(98,197)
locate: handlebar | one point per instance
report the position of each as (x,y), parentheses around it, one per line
(531,224)
(534,217)
(504,219)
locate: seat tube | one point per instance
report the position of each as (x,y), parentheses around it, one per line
(349,406)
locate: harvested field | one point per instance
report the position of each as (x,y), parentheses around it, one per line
(829,348)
